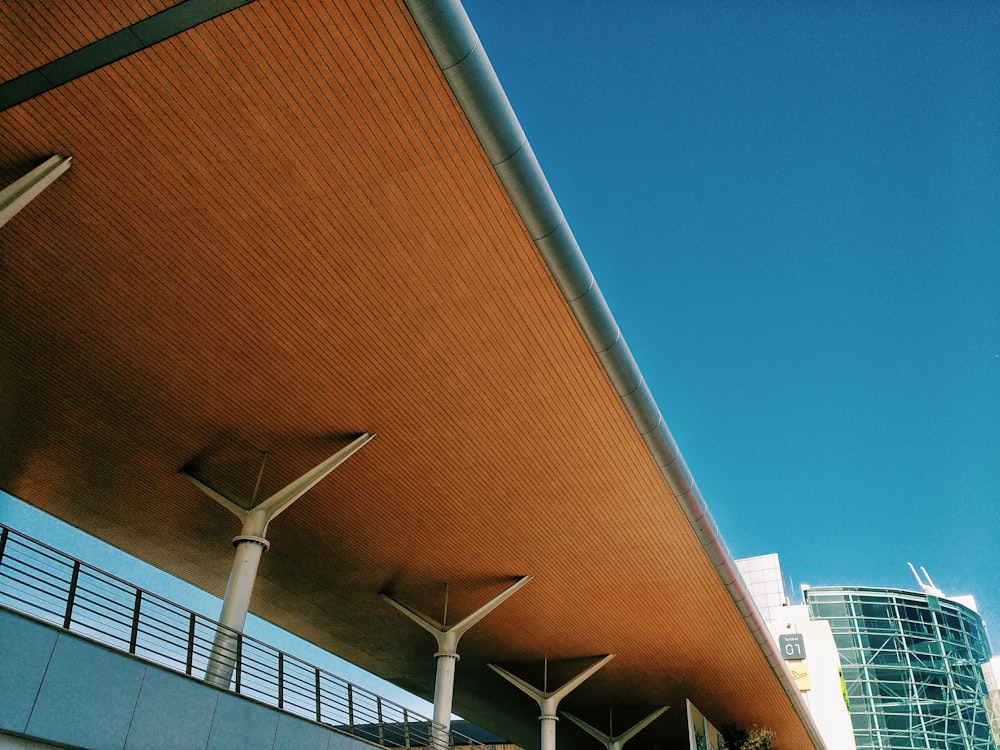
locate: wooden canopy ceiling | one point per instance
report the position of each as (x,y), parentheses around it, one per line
(280,231)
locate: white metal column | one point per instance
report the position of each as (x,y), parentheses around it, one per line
(616,742)
(548,702)
(250,545)
(16,196)
(447,656)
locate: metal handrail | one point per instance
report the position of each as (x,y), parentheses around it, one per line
(46,584)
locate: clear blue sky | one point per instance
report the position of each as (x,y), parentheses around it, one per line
(793,209)
(794,212)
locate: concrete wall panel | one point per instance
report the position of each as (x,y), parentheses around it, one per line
(296,734)
(242,725)
(343,742)
(56,687)
(87,696)
(25,649)
(173,713)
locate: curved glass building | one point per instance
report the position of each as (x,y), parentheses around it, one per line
(912,664)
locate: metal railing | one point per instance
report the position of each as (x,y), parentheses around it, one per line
(46,584)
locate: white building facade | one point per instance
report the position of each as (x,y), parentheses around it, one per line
(808,646)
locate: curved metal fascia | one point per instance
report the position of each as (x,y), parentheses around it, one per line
(456,48)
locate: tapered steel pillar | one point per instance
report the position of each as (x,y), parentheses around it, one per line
(250,545)
(548,702)
(447,656)
(236,604)
(16,196)
(618,741)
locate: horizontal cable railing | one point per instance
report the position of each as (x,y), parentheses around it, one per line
(43,583)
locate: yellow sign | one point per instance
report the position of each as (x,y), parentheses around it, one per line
(800,673)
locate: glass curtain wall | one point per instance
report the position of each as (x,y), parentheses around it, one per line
(912,663)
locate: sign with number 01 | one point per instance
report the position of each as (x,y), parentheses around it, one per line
(792,646)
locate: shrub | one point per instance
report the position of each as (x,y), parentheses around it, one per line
(737,738)
(759,739)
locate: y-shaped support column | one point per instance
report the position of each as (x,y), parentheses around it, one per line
(447,656)
(18,195)
(617,742)
(549,702)
(250,545)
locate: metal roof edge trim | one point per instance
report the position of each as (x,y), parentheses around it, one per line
(453,41)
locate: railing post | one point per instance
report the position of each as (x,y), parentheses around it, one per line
(189,667)
(71,596)
(239,661)
(319,700)
(281,679)
(350,706)
(3,542)
(406,728)
(134,637)
(381,726)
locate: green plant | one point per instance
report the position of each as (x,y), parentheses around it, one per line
(759,739)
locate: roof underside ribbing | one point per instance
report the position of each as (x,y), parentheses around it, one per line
(279,231)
